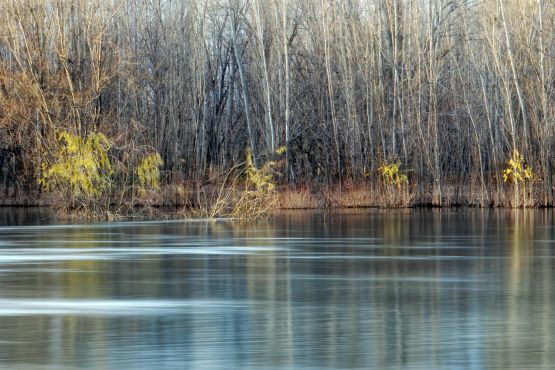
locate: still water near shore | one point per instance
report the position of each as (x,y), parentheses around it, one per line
(377,289)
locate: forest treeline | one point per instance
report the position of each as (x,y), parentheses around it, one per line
(446,89)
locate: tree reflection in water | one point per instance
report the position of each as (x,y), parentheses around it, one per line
(415,289)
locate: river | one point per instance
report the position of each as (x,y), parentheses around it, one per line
(375,289)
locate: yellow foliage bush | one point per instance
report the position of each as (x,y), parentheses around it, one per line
(281,150)
(148,172)
(391,175)
(516,171)
(260,178)
(259,197)
(81,165)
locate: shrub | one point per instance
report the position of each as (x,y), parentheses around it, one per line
(391,176)
(148,172)
(81,167)
(261,178)
(516,171)
(259,198)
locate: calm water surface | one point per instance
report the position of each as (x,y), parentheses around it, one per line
(395,289)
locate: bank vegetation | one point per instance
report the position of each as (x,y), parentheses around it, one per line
(125,104)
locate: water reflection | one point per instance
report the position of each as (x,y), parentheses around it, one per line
(403,289)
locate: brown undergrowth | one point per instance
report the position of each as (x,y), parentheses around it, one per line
(352,196)
(237,197)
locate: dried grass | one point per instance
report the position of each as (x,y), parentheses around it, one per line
(235,198)
(298,198)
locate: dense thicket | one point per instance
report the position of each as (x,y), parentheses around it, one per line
(448,88)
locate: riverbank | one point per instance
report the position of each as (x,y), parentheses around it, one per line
(174,201)
(376,196)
